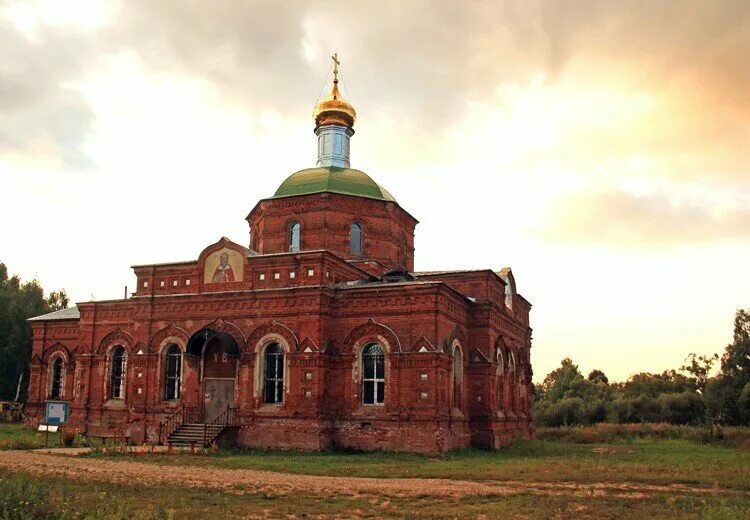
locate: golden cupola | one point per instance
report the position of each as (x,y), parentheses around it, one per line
(334,110)
(334,126)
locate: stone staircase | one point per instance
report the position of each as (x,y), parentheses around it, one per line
(196,434)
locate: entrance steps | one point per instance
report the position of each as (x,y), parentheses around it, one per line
(196,434)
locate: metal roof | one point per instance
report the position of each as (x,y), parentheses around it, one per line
(345,181)
(71,313)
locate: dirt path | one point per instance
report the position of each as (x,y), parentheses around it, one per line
(253,481)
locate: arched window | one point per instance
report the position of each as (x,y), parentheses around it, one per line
(56,383)
(500,381)
(355,239)
(512,382)
(117,382)
(294,237)
(373,374)
(458,376)
(172,372)
(402,251)
(273,377)
(511,362)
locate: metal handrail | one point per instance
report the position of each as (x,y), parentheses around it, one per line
(212,430)
(169,425)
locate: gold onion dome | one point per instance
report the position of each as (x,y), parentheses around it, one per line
(334,110)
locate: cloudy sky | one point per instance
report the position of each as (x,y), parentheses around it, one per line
(600,148)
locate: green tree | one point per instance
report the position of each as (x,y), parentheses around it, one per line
(557,383)
(727,399)
(653,385)
(698,367)
(598,376)
(18,302)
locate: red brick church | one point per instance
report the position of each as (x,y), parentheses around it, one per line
(316,334)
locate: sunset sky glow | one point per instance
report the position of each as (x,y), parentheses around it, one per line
(599,148)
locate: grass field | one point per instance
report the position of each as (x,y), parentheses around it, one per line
(24,496)
(16,437)
(702,481)
(654,462)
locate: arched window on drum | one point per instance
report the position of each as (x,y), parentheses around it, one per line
(295,237)
(355,239)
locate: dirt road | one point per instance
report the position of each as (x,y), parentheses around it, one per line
(252,481)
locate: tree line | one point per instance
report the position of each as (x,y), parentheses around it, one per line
(20,301)
(687,395)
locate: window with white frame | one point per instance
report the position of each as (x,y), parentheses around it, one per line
(373,374)
(117,377)
(294,237)
(273,376)
(172,372)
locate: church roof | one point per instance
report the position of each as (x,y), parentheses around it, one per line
(345,181)
(70,313)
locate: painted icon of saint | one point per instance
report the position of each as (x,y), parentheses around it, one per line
(224,272)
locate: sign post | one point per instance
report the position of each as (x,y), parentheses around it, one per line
(56,414)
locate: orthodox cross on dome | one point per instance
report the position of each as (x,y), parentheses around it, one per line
(336,64)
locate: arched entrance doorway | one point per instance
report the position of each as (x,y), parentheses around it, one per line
(218,352)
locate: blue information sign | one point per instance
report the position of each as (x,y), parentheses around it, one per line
(57,412)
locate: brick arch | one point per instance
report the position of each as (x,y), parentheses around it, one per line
(457,335)
(372,330)
(272,328)
(57,348)
(170,331)
(116,337)
(220,325)
(500,355)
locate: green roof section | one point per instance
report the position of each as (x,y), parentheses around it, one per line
(345,181)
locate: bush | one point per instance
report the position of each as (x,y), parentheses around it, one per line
(682,408)
(635,409)
(561,413)
(594,412)
(735,437)
(68,438)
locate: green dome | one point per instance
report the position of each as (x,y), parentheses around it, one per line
(345,181)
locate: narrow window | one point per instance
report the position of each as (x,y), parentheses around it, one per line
(500,381)
(57,372)
(118,373)
(458,377)
(273,382)
(173,372)
(294,237)
(355,239)
(511,405)
(373,374)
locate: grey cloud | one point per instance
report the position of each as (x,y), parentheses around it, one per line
(39,114)
(420,60)
(427,58)
(617,218)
